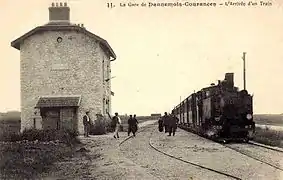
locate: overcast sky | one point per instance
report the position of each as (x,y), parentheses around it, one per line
(162,53)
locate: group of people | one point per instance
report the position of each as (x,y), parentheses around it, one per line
(115,124)
(168,123)
(132,125)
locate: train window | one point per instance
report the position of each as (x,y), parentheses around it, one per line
(185,107)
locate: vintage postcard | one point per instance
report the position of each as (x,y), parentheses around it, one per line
(141,89)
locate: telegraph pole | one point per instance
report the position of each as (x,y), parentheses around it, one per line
(244,61)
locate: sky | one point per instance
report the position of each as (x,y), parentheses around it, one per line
(162,53)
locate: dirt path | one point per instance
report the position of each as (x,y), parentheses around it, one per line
(159,165)
(100,157)
(111,163)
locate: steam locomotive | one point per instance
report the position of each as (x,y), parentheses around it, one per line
(220,112)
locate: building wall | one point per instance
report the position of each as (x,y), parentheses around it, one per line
(80,74)
(106,84)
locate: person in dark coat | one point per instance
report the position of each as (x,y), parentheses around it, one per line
(160,124)
(132,125)
(165,120)
(136,122)
(86,122)
(173,124)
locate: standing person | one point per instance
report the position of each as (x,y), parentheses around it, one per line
(160,124)
(136,123)
(86,122)
(131,124)
(166,120)
(173,124)
(116,122)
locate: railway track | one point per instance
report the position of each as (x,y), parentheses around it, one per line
(177,158)
(245,154)
(250,156)
(270,148)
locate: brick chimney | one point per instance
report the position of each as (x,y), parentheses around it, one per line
(59,13)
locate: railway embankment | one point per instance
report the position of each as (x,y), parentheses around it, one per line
(159,165)
(193,148)
(269,135)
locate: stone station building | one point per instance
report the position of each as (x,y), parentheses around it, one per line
(65,71)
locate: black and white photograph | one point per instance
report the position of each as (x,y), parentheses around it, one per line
(141,90)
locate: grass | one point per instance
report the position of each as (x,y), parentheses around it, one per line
(29,154)
(269,137)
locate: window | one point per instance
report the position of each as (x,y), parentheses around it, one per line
(103,106)
(34,123)
(108,71)
(108,105)
(59,39)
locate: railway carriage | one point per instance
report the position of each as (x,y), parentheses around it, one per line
(219,112)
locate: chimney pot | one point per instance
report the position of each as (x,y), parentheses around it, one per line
(82,25)
(61,13)
(53,4)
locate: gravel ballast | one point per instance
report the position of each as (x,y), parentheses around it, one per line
(199,150)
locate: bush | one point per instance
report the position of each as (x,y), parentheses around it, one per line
(99,126)
(102,126)
(108,126)
(64,136)
(10,137)
(269,137)
(25,159)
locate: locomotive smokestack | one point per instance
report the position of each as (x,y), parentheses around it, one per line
(229,77)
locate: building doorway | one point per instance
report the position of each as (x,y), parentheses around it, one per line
(50,118)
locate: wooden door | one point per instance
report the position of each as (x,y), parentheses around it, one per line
(68,118)
(51,119)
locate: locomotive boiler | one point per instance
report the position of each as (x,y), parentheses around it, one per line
(219,112)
